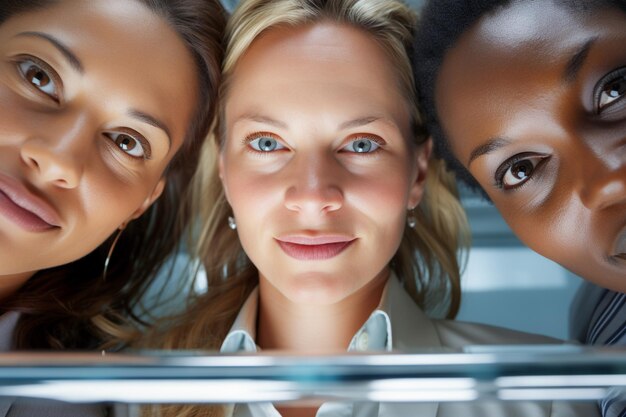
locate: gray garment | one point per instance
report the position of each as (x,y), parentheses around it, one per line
(22,407)
(598,317)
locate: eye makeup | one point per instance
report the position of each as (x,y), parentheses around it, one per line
(610,90)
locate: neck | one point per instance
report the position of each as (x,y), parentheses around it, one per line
(284,324)
(9,284)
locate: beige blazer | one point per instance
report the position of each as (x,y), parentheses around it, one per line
(408,329)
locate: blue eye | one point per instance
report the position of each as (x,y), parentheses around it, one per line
(362,145)
(265,144)
(39,77)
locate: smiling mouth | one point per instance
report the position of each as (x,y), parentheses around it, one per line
(621,256)
(314,252)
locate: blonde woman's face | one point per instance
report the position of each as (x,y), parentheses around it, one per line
(317,164)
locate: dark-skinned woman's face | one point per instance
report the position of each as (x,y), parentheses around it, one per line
(533,101)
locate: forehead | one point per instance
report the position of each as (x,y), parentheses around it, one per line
(324,63)
(131,56)
(513,61)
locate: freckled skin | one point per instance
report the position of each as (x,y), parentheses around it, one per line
(63,151)
(505,79)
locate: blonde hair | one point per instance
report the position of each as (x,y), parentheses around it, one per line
(427,260)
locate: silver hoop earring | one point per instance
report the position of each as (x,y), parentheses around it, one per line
(411,220)
(232,223)
(108,258)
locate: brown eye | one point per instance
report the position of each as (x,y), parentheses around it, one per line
(613,91)
(610,89)
(518,170)
(128,144)
(125,143)
(39,77)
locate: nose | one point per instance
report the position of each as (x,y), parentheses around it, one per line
(314,188)
(603,186)
(55,156)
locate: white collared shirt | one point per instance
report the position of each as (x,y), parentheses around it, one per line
(376,335)
(399,324)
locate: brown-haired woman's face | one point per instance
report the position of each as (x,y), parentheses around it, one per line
(533,100)
(95,99)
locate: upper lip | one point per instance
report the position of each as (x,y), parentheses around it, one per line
(315,239)
(24,198)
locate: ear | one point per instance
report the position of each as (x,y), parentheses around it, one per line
(156,193)
(422,158)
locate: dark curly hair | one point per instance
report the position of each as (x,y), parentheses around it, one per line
(441,25)
(71,306)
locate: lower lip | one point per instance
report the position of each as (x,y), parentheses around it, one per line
(21,217)
(313,252)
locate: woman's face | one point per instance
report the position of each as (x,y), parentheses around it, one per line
(95,99)
(533,100)
(317,163)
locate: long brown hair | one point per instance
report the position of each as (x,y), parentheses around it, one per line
(71,306)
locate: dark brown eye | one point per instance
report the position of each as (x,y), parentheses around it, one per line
(613,91)
(612,88)
(39,77)
(518,170)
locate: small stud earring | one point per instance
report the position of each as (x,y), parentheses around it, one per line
(232,223)
(411,220)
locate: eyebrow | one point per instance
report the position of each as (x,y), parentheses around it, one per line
(486,148)
(65,51)
(146,118)
(361,121)
(572,69)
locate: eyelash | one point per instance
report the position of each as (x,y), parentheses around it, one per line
(377,140)
(47,69)
(502,170)
(604,82)
(143,142)
(258,135)
(54,78)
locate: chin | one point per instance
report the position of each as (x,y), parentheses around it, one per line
(320,289)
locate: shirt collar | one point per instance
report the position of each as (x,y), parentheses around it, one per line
(396,324)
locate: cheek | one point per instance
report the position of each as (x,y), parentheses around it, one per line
(381,201)
(562,234)
(108,203)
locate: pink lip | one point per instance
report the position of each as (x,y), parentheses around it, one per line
(24,208)
(314,248)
